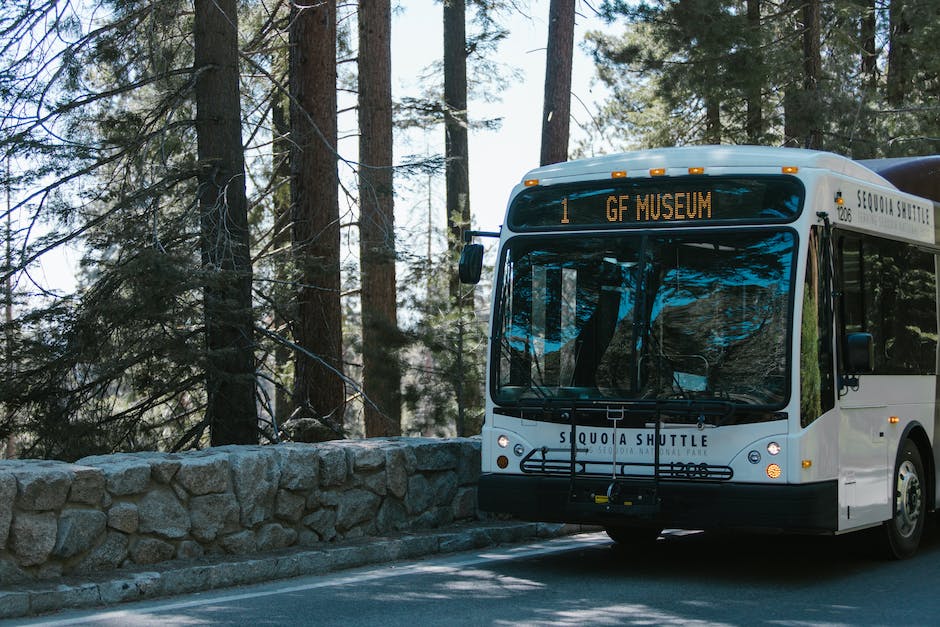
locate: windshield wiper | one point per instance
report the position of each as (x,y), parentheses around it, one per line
(700,408)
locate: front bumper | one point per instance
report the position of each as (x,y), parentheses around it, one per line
(806,508)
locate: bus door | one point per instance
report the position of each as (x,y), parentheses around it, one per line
(863,445)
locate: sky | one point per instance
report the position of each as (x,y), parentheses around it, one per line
(498,160)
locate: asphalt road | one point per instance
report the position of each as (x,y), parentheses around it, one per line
(685,579)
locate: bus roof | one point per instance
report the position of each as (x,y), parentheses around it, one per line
(638,163)
(915,175)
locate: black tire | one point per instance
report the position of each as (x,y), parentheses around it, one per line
(633,536)
(903,532)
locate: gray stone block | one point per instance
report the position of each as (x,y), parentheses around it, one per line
(240,542)
(162,513)
(468,461)
(435,454)
(365,454)
(464,506)
(205,474)
(323,522)
(333,466)
(41,487)
(189,549)
(165,467)
(79,531)
(184,580)
(211,515)
(151,551)
(459,541)
(7,496)
(443,486)
(10,573)
(274,536)
(419,495)
(124,476)
(396,471)
(256,475)
(355,507)
(375,481)
(124,517)
(13,604)
(87,485)
(134,587)
(289,505)
(73,596)
(299,464)
(300,564)
(251,571)
(108,555)
(32,537)
(418,545)
(392,516)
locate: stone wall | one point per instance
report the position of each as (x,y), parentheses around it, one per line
(105,512)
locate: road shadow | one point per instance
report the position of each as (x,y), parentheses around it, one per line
(739,557)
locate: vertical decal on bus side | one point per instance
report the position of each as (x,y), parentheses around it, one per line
(936,393)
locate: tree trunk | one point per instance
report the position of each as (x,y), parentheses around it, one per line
(812,69)
(456,175)
(712,119)
(868,44)
(319,390)
(281,146)
(456,145)
(754,124)
(801,102)
(900,55)
(223,208)
(381,371)
(556,112)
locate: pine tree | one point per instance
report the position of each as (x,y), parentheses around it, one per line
(319,390)
(224,244)
(556,110)
(380,336)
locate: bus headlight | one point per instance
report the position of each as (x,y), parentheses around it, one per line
(503,441)
(518,449)
(773,448)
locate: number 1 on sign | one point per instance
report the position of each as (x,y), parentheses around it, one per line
(564,210)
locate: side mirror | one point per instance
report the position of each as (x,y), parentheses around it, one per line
(470,266)
(859,353)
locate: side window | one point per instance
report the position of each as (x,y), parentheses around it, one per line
(909,310)
(853,284)
(889,290)
(816,360)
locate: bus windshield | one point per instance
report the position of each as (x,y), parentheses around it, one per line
(645,316)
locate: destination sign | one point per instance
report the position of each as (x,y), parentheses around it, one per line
(674,202)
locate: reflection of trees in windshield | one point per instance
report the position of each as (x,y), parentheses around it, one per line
(681,316)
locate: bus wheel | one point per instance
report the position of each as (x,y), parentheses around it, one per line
(904,530)
(633,536)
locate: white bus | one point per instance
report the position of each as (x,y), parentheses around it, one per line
(715,337)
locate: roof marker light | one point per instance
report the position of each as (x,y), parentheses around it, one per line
(789,169)
(530,182)
(894,420)
(618,174)
(807,463)
(657,171)
(696,170)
